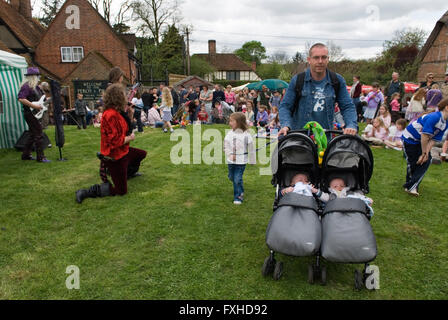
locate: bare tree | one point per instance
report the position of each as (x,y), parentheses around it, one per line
(106,9)
(279,57)
(335,52)
(124,14)
(95,4)
(154,15)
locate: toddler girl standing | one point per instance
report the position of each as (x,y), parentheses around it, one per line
(167,105)
(239,150)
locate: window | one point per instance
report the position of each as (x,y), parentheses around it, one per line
(72,54)
(232,75)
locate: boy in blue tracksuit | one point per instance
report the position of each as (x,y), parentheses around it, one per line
(418,139)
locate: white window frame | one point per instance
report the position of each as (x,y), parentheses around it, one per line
(70,51)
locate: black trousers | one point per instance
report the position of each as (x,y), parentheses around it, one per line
(414,172)
(36,137)
(81,121)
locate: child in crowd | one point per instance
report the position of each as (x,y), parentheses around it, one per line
(395,107)
(203,115)
(249,113)
(239,149)
(383,114)
(262,116)
(97,119)
(300,184)
(185,117)
(395,132)
(275,123)
(374,99)
(154,119)
(416,105)
(339,189)
(167,105)
(273,114)
(377,134)
(217,113)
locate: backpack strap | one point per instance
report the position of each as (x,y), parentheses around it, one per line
(299,86)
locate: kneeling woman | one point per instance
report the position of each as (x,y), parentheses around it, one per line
(114,147)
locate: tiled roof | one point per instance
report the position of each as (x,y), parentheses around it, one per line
(3,47)
(225,61)
(27,31)
(443,21)
(130,40)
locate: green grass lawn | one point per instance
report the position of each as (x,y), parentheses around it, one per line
(177,235)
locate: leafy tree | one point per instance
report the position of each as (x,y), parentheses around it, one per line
(200,67)
(252,51)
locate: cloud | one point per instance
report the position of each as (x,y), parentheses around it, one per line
(360,28)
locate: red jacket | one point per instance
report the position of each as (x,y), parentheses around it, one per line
(113,133)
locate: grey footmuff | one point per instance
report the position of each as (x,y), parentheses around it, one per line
(347,235)
(295,228)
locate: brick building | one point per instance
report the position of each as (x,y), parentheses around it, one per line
(78,48)
(228,66)
(434,54)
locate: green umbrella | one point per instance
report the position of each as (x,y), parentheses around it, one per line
(272,84)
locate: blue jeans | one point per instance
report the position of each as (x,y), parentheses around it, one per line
(236,172)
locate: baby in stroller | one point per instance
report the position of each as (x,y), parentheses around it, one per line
(338,189)
(300,184)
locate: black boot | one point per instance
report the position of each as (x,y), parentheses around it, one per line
(97,190)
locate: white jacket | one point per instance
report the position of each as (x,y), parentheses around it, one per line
(241,144)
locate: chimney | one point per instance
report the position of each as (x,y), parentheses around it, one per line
(211,47)
(15,4)
(23,7)
(254,66)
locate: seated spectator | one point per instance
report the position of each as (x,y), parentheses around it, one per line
(394,141)
(262,116)
(377,134)
(384,114)
(217,113)
(154,118)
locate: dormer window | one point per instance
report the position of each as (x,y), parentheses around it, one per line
(72,54)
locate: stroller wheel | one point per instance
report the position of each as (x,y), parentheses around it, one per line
(310,274)
(268,266)
(278,271)
(323,275)
(358,280)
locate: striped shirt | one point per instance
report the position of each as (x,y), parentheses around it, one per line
(431,124)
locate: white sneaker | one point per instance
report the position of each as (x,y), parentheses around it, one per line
(171,130)
(412,192)
(237,202)
(165,130)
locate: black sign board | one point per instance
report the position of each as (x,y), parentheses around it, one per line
(91,89)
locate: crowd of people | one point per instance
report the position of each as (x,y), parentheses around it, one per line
(393,120)
(387,112)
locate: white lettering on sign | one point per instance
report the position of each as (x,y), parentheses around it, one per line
(72,21)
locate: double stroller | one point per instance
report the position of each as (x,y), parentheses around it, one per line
(339,230)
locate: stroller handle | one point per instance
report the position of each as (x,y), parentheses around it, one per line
(306,131)
(309,132)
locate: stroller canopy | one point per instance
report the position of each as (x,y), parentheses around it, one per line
(296,152)
(350,157)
